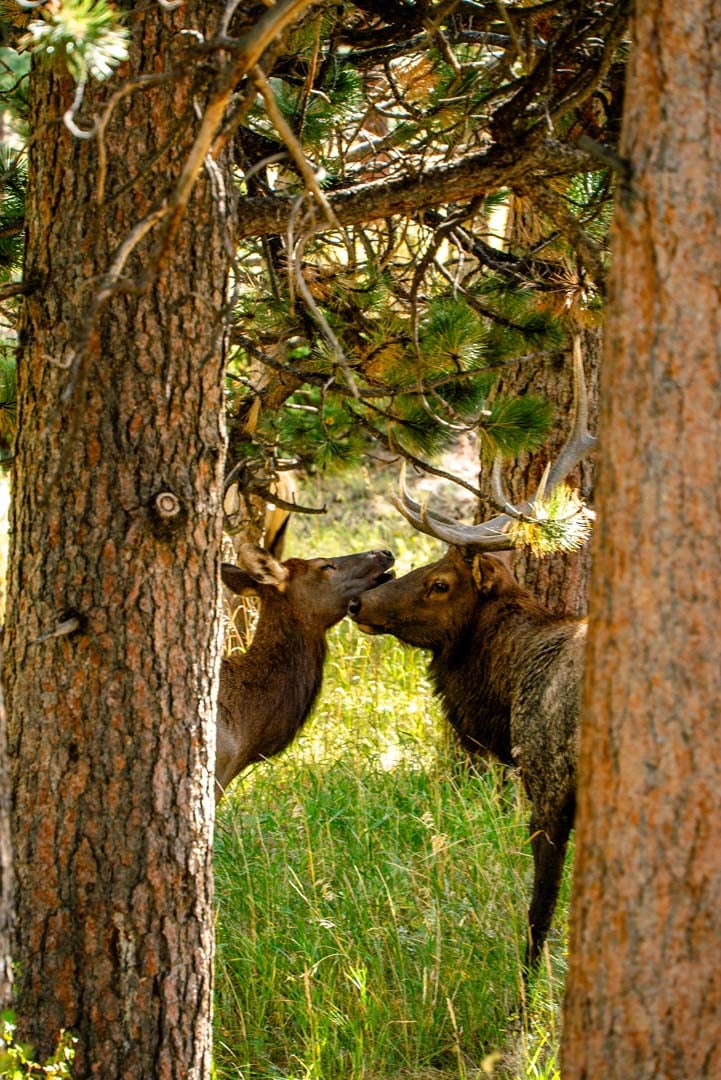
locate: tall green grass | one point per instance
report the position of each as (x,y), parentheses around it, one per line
(372,885)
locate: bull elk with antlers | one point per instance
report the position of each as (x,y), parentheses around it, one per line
(508,672)
(267,692)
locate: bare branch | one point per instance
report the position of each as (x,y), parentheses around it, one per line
(424,466)
(513,32)
(470,176)
(13,288)
(269,496)
(284,130)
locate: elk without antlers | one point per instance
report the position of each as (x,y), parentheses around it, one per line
(267,692)
(508,672)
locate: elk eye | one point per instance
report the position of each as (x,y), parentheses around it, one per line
(328,566)
(439,587)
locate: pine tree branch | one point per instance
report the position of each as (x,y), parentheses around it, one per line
(394,447)
(552,204)
(14,288)
(471,176)
(296,375)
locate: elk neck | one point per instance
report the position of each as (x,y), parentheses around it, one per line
(479,670)
(282,669)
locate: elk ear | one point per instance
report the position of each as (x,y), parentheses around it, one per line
(487,572)
(237,580)
(260,565)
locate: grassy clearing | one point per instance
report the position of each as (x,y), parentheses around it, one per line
(371,886)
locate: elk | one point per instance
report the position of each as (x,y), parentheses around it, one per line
(267,692)
(508,671)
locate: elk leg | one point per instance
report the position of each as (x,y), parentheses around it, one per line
(548,843)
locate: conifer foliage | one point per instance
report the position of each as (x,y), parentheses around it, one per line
(378,151)
(311,200)
(391,323)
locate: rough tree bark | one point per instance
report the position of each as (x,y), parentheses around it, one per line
(6,870)
(559,581)
(644,986)
(116,533)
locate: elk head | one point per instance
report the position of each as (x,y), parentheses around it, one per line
(430,606)
(318,590)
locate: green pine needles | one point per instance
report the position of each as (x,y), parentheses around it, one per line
(452,337)
(82,35)
(561,522)
(424,373)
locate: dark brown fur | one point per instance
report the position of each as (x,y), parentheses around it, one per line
(267,692)
(508,673)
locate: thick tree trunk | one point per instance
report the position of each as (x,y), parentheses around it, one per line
(6,869)
(116,526)
(644,986)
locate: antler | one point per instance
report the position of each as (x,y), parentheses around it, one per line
(492,535)
(489,534)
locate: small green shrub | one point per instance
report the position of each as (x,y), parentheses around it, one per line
(16,1060)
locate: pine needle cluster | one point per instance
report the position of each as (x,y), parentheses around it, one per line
(421,377)
(561,522)
(83,37)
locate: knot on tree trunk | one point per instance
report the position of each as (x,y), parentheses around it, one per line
(167,514)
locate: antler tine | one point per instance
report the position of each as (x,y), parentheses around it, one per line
(500,497)
(579,441)
(488,536)
(411,504)
(414,513)
(491,535)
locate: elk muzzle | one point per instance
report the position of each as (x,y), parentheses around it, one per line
(358,611)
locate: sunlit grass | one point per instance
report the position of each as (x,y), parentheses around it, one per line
(372,886)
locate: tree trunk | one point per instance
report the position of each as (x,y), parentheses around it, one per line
(559,581)
(644,986)
(6,881)
(116,533)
